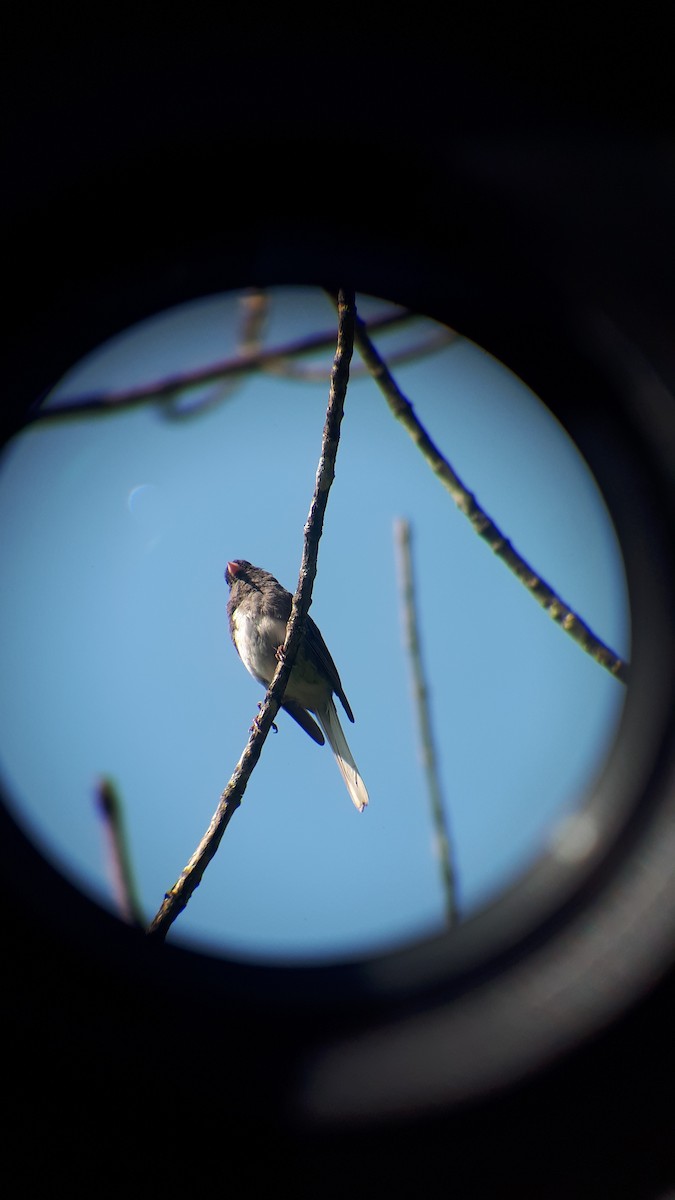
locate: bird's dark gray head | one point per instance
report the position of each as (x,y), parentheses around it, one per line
(238,569)
(241,575)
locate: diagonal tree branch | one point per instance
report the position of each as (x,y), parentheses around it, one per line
(484,526)
(177,898)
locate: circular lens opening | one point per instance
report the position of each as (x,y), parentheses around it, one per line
(116,523)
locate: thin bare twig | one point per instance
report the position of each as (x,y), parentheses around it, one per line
(484,526)
(442,843)
(179,895)
(110,808)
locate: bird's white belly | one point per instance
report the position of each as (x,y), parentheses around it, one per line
(257,643)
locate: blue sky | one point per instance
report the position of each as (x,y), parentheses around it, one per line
(114,534)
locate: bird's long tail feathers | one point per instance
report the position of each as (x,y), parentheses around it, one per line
(330,723)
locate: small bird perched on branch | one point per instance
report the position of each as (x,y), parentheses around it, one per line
(258,610)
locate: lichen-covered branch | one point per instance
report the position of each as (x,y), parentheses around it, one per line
(484,526)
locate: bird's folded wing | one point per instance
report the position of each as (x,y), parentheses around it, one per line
(300,714)
(317,650)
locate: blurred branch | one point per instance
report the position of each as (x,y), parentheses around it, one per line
(179,895)
(442,845)
(248,358)
(253,307)
(110,809)
(484,526)
(438,339)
